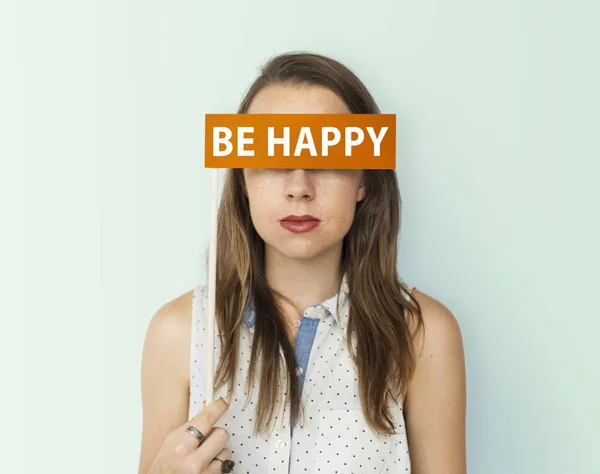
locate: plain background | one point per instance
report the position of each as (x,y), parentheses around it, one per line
(498,118)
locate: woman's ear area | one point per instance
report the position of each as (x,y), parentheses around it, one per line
(365,180)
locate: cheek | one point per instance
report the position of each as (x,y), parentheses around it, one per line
(342,209)
(258,205)
(261,211)
(348,216)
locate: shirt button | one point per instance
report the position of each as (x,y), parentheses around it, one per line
(299,371)
(280,444)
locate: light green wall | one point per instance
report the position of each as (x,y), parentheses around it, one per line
(498,118)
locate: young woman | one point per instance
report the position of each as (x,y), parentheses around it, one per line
(328,361)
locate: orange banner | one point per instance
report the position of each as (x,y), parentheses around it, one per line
(300,141)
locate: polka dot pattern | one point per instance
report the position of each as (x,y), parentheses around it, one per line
(333,436)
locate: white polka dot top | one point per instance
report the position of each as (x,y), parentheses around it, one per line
(333,436)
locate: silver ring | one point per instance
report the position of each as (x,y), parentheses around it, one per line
(227,465)
(195,433)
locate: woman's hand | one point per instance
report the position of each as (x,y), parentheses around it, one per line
(183,453)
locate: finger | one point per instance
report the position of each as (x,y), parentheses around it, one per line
(215,466)
(212,446)
(204,422)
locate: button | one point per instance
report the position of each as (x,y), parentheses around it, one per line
(299,371)
(280,444)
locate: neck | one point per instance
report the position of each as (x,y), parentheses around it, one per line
(305,282)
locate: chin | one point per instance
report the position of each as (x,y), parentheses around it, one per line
(300,252)
(300,255)
(306,250)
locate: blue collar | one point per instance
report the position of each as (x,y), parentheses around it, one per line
(250,313)
(329,305)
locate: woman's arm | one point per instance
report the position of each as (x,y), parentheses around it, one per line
(435,406)
(165,376)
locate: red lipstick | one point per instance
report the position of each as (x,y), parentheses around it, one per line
(298,224)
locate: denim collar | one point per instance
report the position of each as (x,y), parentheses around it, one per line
(338,312)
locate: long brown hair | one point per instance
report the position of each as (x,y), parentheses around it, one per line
(378,318)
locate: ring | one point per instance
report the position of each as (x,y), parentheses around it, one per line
(195,433)
(227,465)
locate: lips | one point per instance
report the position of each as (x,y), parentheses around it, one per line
(300,224)
(303,218)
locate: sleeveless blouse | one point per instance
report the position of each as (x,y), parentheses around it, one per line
(333,436)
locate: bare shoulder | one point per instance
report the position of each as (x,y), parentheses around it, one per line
(167,342)
(174,317)
(435,405)
(441,331)
(165,374)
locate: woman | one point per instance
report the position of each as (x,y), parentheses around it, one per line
(329,362)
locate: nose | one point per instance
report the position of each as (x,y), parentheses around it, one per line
(299,185)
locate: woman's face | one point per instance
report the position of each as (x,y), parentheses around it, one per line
(329,196)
